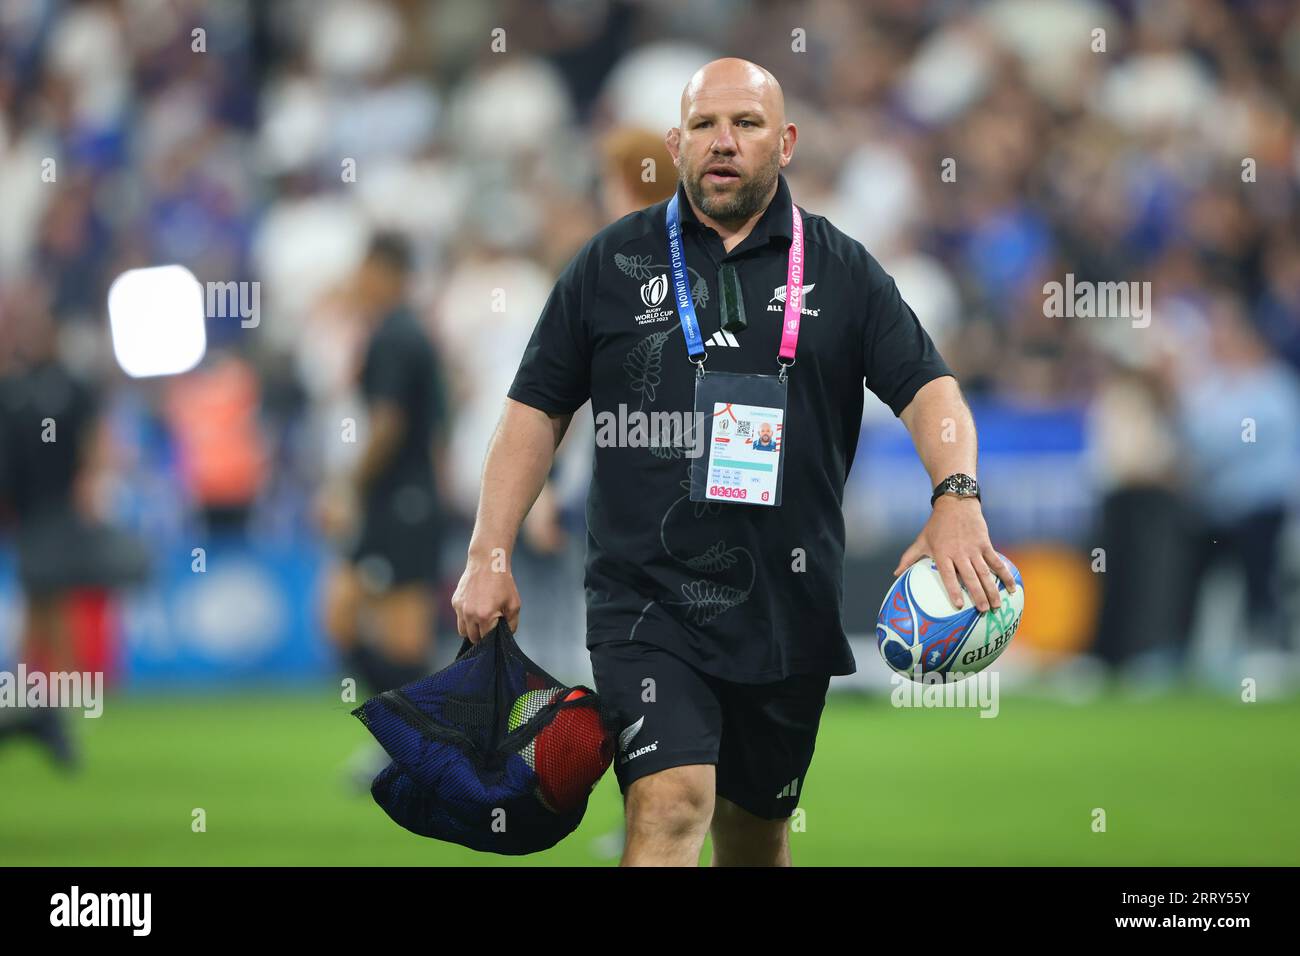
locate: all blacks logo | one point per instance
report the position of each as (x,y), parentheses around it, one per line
(781,292)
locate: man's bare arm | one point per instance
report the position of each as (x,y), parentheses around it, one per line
(956,536)
(942,429)
(387,427)
(519,459)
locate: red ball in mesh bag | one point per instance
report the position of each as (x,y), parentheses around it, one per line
(570,754)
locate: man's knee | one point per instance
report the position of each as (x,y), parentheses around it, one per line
(742,839)
(671,809)
(406,620)
(341,605)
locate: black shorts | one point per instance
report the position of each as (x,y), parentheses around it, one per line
(759,737)
(400,541)
(60,550)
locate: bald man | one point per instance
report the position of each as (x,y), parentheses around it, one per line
(714,571)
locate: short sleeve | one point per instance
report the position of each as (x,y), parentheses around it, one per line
(555,372)
(898,354)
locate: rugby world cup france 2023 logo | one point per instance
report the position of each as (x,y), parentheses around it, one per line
(919,631)
(653,292)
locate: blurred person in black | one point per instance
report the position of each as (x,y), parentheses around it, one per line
(386,516)
(53,460)
(1140,520)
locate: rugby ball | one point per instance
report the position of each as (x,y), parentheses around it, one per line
(919,632)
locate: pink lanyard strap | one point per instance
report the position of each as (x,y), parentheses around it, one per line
(793,294)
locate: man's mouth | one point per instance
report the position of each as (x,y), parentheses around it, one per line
(721,174)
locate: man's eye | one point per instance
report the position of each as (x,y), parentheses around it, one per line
(745,123)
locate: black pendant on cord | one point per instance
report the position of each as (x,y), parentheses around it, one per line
(731,303)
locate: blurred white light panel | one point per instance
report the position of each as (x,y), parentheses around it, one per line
(155,316)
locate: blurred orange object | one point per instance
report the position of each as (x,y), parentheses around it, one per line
(1062,598)
(213,414)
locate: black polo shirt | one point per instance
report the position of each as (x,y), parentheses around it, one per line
(401,367)
(746,593)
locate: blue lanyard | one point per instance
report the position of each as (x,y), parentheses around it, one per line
(681,290)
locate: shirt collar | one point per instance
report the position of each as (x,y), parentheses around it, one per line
(775,220)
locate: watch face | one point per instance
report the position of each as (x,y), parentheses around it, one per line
(963,486)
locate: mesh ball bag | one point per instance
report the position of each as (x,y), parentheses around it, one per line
(491,752)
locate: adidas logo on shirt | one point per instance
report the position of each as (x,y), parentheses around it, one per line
(723,340)
(791,789)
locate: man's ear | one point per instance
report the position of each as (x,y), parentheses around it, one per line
(673,140)
(788,137)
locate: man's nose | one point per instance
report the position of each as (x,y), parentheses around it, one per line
(724,142)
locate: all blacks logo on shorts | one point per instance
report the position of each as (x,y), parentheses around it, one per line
(653,293)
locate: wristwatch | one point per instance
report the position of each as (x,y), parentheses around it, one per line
(963,486)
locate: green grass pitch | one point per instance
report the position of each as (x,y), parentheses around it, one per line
(1183,780)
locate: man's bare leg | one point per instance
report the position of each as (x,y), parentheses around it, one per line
(341,607)
(47,644)
(742,839)
(405,624)
(668,816)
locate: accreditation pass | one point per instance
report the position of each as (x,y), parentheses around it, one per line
(744,453)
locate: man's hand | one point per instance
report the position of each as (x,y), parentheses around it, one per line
(519,458)
(486,593)
(957,539)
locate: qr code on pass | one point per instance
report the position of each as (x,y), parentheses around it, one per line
(742,429)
